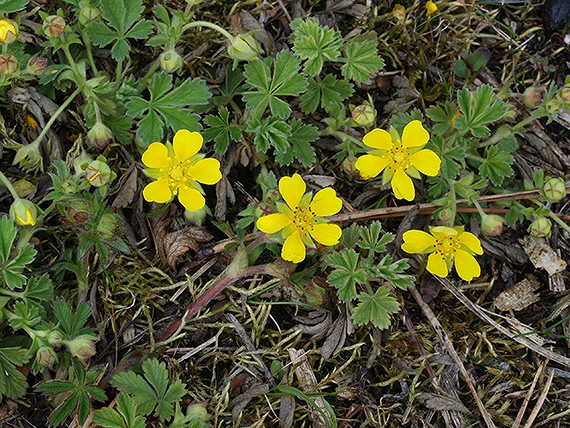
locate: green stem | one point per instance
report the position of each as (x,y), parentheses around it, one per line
(80,80)
(207,24)
(9,185)
(56,115)
(118,73)
(87,45)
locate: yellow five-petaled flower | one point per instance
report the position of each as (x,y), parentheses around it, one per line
(301,218)
(400,159)
(179,169)
(446,245)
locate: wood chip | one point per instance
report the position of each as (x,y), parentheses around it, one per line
(519,296)
(542,255)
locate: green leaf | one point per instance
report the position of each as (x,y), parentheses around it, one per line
(315,44)
(109,418)
(328,92)
(124,417)
(230,87)
(120,50)
(7,236)
(285,81)
(272,132)
(496,166)
(375,309)
(371,240)
(11,6)
(151,128)
(220,130)
(141,30)
(41,289)
(301,137)
(100,34)
(64,410)
(361,60)
(191,92)
(13,383)
(479,110)
(347,274)
(393,272)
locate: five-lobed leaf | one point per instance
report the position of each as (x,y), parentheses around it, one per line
(375,308)
(315,44)
(347,273)
(361,60)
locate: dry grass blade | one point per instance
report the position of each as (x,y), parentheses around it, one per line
(540,401)
(520,415)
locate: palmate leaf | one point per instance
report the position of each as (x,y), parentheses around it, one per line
(361,60)
(375,308)
(315,44)
(124,417)
(271,132)
(496,166)
(220,130)
(327,92)
(478,110)
(301,137)
(13,383)
(347,273)
(11,270)
(371,240)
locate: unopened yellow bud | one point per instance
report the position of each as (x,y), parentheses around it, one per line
(431,7)
(24,212)
(8,31)
(244,47)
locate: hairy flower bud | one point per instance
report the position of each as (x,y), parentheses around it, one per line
(492,225)
(8,64)
(82,347)
(54,338)
(45,357)
(349,168)
(564,94)
(98,173)
(447,216)
(170,61)
(8,31)
(532,96)
(99,135)
(88,14)
(109,226)
(555,189)
(53,26)
(244,47)
(24,212)
(37,65)
(364,114)
(540,228)
(74,211)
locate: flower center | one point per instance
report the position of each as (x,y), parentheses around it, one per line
(447,246)
(400,157)
(177,173)
(303,219)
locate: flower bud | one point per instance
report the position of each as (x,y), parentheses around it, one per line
(532,96)
(564,94)
(98,173)
(170,61)
(540,228)
(45,357)
(244,47)
(88,14)
(198,216)
(74,211)
(349,168)
(8,64)
(54,338)
(431,7)
(109,226)
(8,31)
(553,106)
(399,12)
(99,135)
(28,156)
(447,216)
(364,114)
(54,26)
(492,225)
(37,65)
(555,189)
(82,347)
(24,212)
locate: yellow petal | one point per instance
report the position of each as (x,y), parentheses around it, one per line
(417,241)
(431,7)
(273,222)
(403,186)
(466,266)
(445,230)
(292,189)
(186,144)
(414,135)
(326,233)
(427,162)
(206,171)
(325,203)
(471,242)
(378,139)
(191,198)
(156,156)
(437,265)
(157,191)
(294,249)
(370,166)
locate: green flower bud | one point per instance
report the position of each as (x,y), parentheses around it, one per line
(28,156)
(54,338)
(492,225)
(74,211)
(364,114)
(82,347)
(8,31)
(555,189)
(88,14)
(244,47)
(109,226)
(99,135)
(553,106)
(8,64)
(37,65)
(447,216)
(170,61)
(349,168)
(532,96)
(24,212)
(564,94)
(45,357)
(53,26)
(98,173)
(198,216)
(540,228)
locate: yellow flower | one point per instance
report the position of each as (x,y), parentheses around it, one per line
(444,246)
(300,219)
(431,7)
(399,159)
(399,12)
(179,168)
(8,31)
(24,212)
